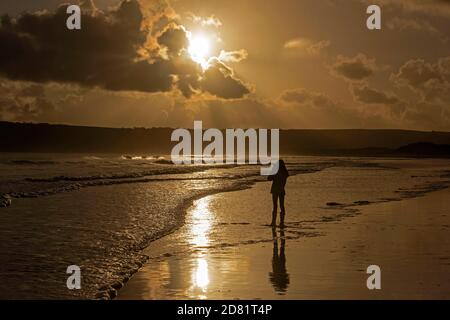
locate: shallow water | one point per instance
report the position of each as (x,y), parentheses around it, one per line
(101,211)
(226,251)
(412,253)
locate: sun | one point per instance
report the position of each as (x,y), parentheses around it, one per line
(200,49)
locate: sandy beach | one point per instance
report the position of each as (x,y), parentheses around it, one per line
(226,251)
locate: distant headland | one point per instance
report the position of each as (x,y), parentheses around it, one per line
(42,137)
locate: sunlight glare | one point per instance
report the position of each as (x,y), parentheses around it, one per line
(201,223)
(200,49)
(201,276)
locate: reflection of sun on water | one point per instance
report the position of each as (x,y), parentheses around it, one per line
(201,276)
(201,223)
(200,226)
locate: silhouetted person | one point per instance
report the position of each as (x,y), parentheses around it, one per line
(279,276)
(278,192)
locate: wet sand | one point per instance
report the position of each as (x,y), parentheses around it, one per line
(225,251)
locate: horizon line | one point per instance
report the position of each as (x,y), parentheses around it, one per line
(206,128)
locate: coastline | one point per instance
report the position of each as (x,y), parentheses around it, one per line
(110,291)
(111,230)
(102,227)
(323,259)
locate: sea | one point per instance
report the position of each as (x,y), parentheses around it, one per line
(101,211)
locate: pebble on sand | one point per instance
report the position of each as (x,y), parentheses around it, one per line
(5,201)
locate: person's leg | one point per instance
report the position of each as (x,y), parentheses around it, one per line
(275,209)
(283,212)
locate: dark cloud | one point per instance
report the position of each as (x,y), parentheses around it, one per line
(303,97)
(55,103)
(24,102)
(430,79)
(365,94)
(113,51)
(174,39)
(217,80)
(298,108)
(220,81)
(309,109)
(357,68)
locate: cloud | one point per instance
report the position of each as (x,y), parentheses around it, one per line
(220,81)
(24,102)
(397,23)
(115,50)
(233,56)
(303,97)
(312,109)
(304,108)
(88,6)
(365,94)
(429,79)
(428,116)
(357,68)
(304,46)
(68,104)
(174,39)
(428,7)
(210,21)
(296,108)
(417,73)
(416,25)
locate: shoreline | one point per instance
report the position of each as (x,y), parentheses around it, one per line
(110,291)
(111,231)
(316,233)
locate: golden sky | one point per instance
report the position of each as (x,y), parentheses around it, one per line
(230,63)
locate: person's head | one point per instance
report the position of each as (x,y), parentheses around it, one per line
(282,166)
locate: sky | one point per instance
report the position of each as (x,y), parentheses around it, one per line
(230,63)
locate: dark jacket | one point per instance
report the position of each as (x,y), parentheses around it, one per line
(279,181)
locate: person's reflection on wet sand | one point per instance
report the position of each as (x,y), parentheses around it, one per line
(279,276)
